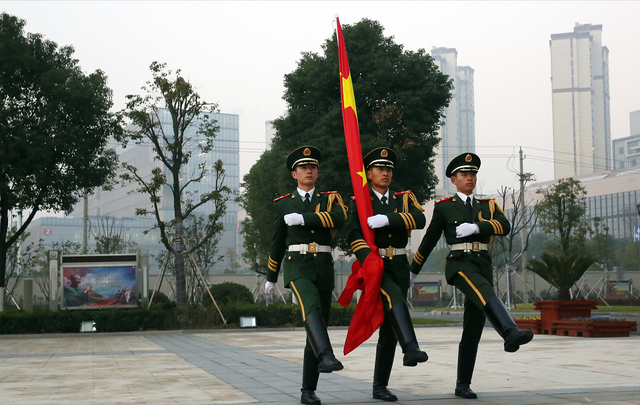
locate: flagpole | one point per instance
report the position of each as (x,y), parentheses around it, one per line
(365,276)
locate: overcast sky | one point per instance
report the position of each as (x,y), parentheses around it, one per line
(237,53)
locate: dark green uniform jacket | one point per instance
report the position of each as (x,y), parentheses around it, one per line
(447,215)
(405,214)
(326,214)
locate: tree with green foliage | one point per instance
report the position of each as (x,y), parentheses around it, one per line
(562,215)
(55,125)
(192,131)
(400,97)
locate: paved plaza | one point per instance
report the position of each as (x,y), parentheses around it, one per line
(263,366)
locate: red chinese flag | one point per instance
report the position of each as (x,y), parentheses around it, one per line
(369,313)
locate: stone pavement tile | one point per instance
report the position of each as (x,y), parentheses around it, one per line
(542,364)
(276,398)
(214,368)
(604,396)
(60,374)
(528,398)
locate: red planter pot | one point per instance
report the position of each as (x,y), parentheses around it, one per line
(535,325)
(593,328)
(556,310)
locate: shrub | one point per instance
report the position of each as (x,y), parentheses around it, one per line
(164,316)
(160,298)
(228,292)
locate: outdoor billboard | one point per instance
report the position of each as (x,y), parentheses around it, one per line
(428,291)
(99,281)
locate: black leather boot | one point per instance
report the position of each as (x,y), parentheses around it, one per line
(403,328)
(506,327)
(466,363)
(309,397)
(319,339)
(382,371)
(309,378)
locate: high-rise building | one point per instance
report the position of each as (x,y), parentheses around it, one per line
(626,151)
(458,134)
(580,96)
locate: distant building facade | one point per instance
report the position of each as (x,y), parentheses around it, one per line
(611,196)
(122,202)
(580,97)
(626,151)
(458,132)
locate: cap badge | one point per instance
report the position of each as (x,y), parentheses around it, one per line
(468,158)
(384,153)
(307,152)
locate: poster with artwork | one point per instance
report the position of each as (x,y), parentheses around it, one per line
(95,284)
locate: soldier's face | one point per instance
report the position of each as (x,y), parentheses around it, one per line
(380,177)
(465,182)
(306,176)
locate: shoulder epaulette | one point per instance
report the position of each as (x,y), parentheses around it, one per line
(329,192)
(280,198)
(485,199)
(444,199)
(402,192)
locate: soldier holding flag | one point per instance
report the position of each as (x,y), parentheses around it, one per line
(395,215)
(306,221)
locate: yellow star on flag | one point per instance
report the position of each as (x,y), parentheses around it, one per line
(347,92)
(363,174)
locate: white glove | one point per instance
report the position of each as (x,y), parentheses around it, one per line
(268,287)
(412,277)
(294,219)
(466,229)
(377,221)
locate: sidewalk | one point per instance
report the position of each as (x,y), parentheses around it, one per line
(264,367)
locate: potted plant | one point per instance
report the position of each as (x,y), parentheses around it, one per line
(562,272)
(562,216)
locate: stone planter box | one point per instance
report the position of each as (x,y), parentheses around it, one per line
(535,325)
(556,310)
(593,328)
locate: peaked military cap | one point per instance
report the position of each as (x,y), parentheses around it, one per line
(466,162)
(304,155)
(380,157)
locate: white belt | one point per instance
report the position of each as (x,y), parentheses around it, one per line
(309,248)
(470,246)
(391,251)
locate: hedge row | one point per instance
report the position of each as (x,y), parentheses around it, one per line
(160,317)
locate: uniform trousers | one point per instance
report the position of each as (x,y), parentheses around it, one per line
(474,277)
(391,295)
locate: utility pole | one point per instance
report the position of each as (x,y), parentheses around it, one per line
(523,232)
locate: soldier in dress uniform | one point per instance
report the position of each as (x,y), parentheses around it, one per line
(306,220)
(395,215)
(468,223)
